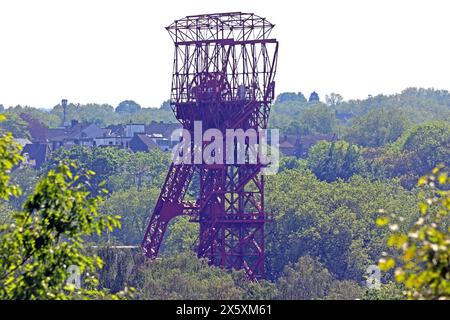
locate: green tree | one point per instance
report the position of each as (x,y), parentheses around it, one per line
(9,157)
(422,255)
(101,114)
(415,153)
(289,163)
(44,116)
(334,160)
(14,124)
(387,291)
(120,266)
(128,106)
(6,212)
(308,279)
(140,170)
(38,243)
(377,128)
(388,163)
(418,104)
(319,119)
(105,162)
(166,106)
(47,237)
(333,99)
(331,221)
(186,277)
(135,207)
(291,96)
(429,144)
(181,236)
(25,178)
(345,290)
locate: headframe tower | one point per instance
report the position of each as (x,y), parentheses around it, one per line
(223,75)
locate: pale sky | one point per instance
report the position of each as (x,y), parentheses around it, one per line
(106,51)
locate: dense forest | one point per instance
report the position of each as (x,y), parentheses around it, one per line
(376,194)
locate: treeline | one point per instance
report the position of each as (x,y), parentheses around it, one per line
(326,206)
(292,113)
(102,114)
(400,136)
(322,240)
(184,276)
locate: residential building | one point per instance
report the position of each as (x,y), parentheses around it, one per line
(36,154)
(81,134)
(142,143)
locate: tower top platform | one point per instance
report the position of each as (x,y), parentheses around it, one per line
(237,26)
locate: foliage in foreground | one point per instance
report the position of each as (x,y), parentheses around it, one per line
(9,157)
(46,237)
(422,255)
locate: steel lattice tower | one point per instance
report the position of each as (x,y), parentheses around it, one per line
(223,75)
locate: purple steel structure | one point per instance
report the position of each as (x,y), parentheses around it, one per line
(223,75)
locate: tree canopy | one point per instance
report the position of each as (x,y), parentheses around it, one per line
(128,106)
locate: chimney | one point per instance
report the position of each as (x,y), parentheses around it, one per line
(64,105)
